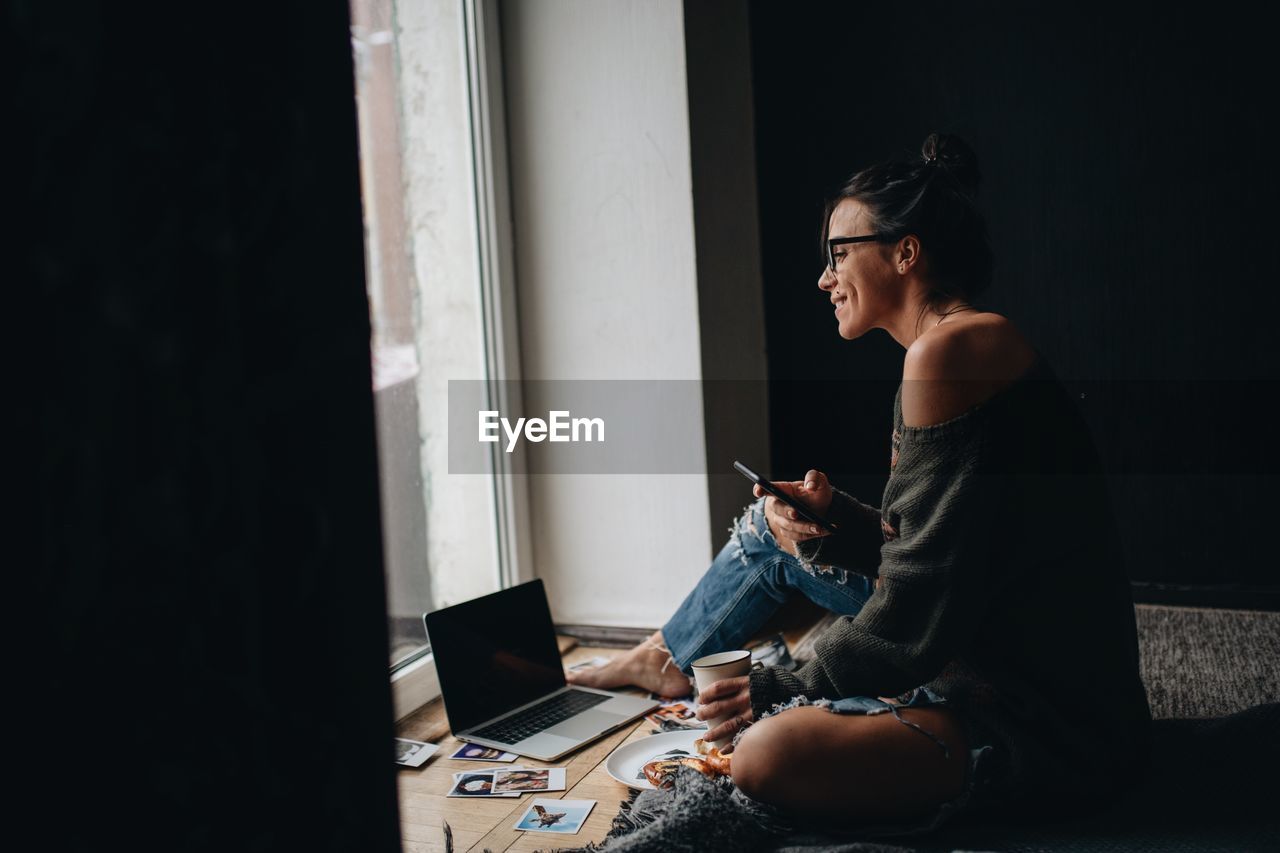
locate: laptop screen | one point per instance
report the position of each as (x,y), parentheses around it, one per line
(495,653)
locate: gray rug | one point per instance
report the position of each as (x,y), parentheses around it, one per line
(1208,663)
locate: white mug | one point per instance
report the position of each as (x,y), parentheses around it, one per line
(712,668)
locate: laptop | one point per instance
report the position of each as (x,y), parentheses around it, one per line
(503,682)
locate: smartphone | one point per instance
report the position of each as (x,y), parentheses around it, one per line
(801,510)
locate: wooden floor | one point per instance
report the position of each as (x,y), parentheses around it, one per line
(481,823)
(478,824)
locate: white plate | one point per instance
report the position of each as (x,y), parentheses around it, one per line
(625,762)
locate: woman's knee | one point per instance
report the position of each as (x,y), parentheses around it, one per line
(767,751)
(812,760)
(753,760)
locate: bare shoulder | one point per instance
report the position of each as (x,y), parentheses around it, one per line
(960,364)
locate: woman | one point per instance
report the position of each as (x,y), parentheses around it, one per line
(993,659)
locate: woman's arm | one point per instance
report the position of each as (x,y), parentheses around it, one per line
(856,545)
(931,592)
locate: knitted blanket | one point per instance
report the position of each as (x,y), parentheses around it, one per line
(699,814)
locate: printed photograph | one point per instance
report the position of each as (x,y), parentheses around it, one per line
(676,716)
(413,753)
(475,785)
(476,752)
(564,816)
(528,779)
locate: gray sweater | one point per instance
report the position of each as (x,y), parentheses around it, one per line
(1002,587)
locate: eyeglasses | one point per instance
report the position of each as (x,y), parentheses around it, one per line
(840,241)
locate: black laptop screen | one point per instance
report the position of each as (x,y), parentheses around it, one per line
(494,653)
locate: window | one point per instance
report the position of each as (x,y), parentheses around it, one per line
(433,192)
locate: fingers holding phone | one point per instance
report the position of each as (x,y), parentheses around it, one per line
(786,524)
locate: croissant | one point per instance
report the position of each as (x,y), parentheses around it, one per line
(717,762)
(712,765)
(656,771)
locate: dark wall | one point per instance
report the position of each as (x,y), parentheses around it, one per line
(213,634)
(1130,186)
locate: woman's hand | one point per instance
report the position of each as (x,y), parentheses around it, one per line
(728,698)
(785,523)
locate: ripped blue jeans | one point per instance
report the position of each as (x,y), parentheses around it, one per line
(747,582)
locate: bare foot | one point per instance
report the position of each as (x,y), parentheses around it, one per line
(642,666)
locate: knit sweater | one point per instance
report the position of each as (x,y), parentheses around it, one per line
(1002,587)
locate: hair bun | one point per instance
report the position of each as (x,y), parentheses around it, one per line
(954,154)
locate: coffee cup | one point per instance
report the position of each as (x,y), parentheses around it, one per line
(712,668)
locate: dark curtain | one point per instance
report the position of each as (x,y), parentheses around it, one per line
(209,623)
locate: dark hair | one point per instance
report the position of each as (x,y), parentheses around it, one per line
(933,198)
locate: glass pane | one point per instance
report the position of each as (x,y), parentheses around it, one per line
(420,249)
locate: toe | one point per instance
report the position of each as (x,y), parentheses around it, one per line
(585,677)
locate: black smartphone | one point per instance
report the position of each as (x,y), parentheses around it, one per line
(801,510)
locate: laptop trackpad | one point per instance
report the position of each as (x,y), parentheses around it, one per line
(589,722)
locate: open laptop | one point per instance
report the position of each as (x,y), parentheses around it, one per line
(503,682)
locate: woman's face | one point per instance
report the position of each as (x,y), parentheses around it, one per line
(864,288)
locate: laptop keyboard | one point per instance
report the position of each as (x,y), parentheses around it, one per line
(540,717)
